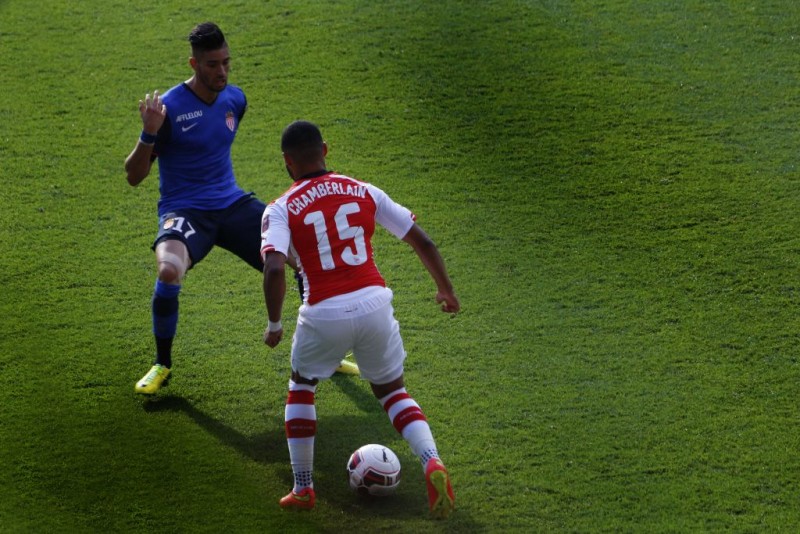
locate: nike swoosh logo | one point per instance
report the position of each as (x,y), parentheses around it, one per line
(301,498)
(187,128)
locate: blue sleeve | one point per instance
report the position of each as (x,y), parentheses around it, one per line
(243,103)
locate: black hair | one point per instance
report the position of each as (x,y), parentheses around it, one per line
(206,36)
(302,139)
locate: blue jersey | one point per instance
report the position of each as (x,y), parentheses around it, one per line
(193,148)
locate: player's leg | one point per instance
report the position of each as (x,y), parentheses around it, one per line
(407,418)
(172,258)
(240,230)
(380,356)
(317,346)
(301,426)
(181,237)
(240,233)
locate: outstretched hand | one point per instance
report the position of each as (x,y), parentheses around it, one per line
(449,302)
(153,112)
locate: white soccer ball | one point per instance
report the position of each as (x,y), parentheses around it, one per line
(374,470)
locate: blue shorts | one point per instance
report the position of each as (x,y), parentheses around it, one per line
(236,228)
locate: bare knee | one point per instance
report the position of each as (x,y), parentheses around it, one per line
(173,261)
(169,273)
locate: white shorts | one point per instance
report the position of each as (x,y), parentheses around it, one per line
(363,322)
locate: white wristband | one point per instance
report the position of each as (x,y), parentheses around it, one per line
(274,327)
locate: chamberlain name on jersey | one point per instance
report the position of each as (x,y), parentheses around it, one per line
(327,223)
(302,201)
(193,148)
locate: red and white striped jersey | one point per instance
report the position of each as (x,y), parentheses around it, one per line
(326,223)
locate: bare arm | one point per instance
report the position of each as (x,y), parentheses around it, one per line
(433,262)
(139,161)
(274,293)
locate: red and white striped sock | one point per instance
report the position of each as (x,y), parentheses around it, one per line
(301,427)
(407,417)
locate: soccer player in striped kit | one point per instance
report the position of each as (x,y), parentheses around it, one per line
(190,130)
(326,221)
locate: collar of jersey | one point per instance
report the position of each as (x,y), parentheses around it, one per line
(314,174)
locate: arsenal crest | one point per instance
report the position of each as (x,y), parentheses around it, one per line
(230,121)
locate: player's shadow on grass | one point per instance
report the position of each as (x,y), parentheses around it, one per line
(365,401)
(337,437)
(265,448)
(270,446)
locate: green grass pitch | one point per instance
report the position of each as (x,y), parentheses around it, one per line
(613,185)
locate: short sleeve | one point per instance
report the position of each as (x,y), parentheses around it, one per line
(275,234)
(396,218)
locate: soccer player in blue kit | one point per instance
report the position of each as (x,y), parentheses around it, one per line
(190,130)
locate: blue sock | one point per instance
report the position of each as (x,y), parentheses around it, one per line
(165,320)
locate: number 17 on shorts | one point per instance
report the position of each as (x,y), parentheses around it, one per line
(177,225)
